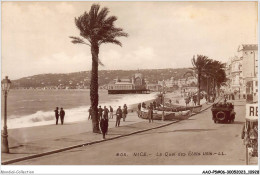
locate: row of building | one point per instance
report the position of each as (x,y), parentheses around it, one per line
(242,71)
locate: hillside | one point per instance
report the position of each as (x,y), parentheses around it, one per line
(81,79)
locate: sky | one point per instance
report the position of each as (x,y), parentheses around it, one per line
(35,35)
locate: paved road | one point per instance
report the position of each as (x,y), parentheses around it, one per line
(196,141)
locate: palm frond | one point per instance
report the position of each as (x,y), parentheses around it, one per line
(77,40)
(113,41)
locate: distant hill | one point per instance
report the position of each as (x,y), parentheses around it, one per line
(77,79)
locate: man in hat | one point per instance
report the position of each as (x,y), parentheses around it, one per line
(100,112)
(62,114)
(118,116)
(106,111)
(104,125)
(57,115)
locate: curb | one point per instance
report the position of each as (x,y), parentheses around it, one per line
(80,145)
(90,143)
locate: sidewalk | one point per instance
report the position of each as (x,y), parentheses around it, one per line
(43,140)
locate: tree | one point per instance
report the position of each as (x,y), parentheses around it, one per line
(95,29)
(217,73)
(200,67)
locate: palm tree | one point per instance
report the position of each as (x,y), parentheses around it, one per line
(95,29)
(217,73)
(200,67)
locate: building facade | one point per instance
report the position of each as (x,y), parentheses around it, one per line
(242,72)
(249,53)
(236,78)
(136,82)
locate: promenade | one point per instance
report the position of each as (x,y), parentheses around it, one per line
(195,141)
(38,141)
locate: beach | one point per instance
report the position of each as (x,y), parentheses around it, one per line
(28,108)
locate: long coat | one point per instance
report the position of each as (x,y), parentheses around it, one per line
(104,125)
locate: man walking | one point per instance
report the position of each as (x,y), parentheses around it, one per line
(104,125)
(62,114)
(111,112)
(118,116)
(57,115)
(100,112)
(150,115)
(106,111)
(139,109)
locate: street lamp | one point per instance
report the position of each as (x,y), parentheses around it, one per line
(6,83)
(163,101)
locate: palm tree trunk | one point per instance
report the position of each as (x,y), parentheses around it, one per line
(214,88)
(198,95)
(94,88)
(207,89)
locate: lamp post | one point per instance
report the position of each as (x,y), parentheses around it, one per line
(6,83)
(163,101)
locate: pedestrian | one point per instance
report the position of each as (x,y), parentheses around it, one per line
(106,111)
(104,125)
(194,98)
(150,114)
(111,112)
(154,104)
(100,112)
(239,96)
(187,101)
(143,105)
(62,115)
(139,107)
(57,115)
(90,113)
(124,112)
(118,116)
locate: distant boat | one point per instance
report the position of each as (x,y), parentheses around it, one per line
(157,115)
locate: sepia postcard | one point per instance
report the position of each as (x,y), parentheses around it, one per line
(170,86)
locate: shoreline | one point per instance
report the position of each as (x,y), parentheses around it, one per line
(132,108)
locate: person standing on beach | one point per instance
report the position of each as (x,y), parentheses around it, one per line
(111,112)
(104,125)
(124,112)
(57,115)
(90,113)
(100,112)
(62,115)
(118,116)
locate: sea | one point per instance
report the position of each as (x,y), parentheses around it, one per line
(27,108)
